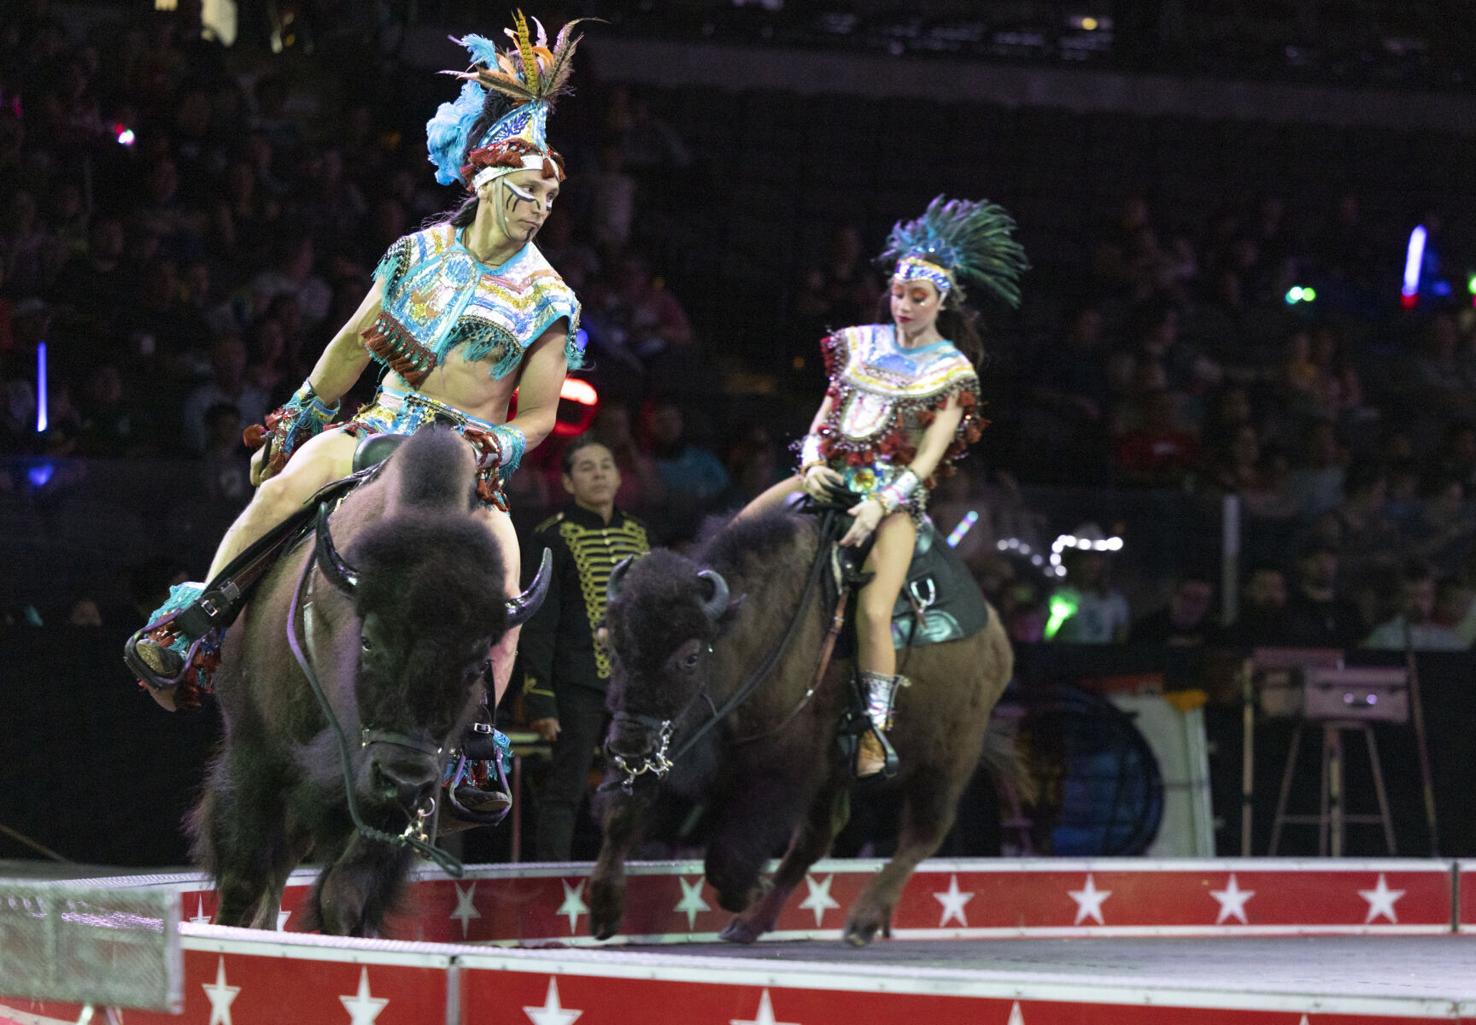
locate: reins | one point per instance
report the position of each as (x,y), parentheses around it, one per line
(759,675)
(413,836)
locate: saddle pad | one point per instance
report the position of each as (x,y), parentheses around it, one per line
(938,580)
(940,583)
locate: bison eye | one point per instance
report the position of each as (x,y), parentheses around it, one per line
(690,662)
(365,643)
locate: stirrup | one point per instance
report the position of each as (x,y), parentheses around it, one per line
(475,780)
(876,739)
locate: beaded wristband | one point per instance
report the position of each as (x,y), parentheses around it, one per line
(894,496)
(511,444)
(287,427)
(810,453)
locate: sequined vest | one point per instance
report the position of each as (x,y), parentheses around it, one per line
(438,296)
(884,396)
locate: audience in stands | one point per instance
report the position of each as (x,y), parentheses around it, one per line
(184,227)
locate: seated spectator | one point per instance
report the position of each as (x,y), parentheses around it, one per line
(1317,477)
(1414,626)
(226,469)
(110,420)
(1236,467)
(693,477)
(292,274)
(1186,621)
(1262,619)
(1271,497)
(641,310)
(1161,451)
(1443,529)
(227,385)
(1317,614)
(839,291)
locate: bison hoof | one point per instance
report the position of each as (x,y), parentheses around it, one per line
(864,926)
(739,930)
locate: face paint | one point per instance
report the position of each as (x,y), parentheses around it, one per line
(513,198)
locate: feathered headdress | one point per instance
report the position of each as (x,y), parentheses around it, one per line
(531,76)
(960,241)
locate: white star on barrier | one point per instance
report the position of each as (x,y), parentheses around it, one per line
(1304,1021)
(363,1007)
(691,903)
(1089,901)
(466,908)
(220,996)
(1381,901)
(552,1012)
(200,917)
(573,905)
(282,917)
(1017,1017)
(765,1014)
(953,902)
(819,900)
(1232,901)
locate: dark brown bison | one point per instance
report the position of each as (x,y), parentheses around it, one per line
(397,629)
(686,632)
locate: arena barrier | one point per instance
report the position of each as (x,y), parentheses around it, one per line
(1261,940)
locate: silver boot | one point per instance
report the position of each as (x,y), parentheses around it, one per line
(879,694)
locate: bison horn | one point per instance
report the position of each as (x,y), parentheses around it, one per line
(617,574)
(521,608)
(334,566)
(717,604)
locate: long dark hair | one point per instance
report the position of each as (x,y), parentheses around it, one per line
(956,322)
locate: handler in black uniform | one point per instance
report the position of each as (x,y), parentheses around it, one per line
(564,670)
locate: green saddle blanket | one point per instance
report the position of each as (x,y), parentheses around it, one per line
(941,586)
(939,602)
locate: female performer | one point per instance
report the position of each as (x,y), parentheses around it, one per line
(902,406)
(461,314)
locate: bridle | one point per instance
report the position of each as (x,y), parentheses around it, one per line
(655,761)
(416,836)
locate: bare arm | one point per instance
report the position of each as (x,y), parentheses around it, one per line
(930,452)
(345,357)
(936,440)
(544,369)
(822,412)
(342,361)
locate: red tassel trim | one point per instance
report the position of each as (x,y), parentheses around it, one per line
(254,436)
(399,350)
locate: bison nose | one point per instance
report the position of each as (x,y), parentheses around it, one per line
(405,781)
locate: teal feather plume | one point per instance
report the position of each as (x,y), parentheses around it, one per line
(972,239)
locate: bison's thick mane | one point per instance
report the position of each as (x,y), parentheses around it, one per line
(431,562)
(729,546)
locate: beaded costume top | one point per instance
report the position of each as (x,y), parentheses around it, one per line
(885,396)
(438,296)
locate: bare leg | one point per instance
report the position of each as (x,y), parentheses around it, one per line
(505,650)
(890,557)
(320,461)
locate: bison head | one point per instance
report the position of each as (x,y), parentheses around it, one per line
(427,592)
(665,612)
